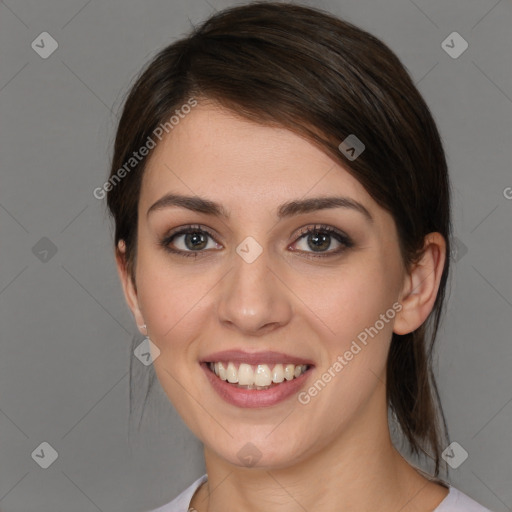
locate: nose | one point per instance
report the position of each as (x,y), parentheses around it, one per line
(253,298)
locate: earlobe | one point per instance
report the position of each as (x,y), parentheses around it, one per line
(129,290)
(421,285)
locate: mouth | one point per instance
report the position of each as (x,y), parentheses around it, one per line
(255,380)
(256,376)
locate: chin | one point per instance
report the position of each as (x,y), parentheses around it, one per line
(257,449)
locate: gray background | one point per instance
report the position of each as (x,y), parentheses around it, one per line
(65,329)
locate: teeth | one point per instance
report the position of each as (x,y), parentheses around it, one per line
(231,373)
(278,373)
(257,376)
(221,371)
(245,375)
(263,376)
(289,371)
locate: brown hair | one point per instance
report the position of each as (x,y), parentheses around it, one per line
(323,78)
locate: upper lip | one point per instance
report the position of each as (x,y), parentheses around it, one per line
(267,357)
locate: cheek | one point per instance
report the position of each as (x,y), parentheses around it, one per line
(356,341)
(176,309)
(173,308)
(173,300)
(349,299)
(355,316)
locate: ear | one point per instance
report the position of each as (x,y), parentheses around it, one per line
(421,285)
(129,288)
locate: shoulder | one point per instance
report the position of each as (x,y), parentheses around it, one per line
(457,501)
(182,501)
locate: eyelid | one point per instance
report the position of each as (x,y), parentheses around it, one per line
(341,237)
(189,227)
(166,240)
(308,228)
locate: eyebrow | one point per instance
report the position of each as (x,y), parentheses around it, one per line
(289,209)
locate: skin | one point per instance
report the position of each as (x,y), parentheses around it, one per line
(334,453)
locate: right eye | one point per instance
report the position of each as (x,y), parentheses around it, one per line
(189,241)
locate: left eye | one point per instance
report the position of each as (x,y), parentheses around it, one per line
(320,239)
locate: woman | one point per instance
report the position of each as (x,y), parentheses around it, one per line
(282,231)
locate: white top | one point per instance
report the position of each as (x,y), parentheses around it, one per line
(455,501)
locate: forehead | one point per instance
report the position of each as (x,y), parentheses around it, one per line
(212,152)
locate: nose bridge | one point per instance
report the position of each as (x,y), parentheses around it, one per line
(251,297)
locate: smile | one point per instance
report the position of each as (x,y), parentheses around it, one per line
(256,376)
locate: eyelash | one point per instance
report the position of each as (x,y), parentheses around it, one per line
(341,237)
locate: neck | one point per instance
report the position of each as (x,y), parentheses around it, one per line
(359,469)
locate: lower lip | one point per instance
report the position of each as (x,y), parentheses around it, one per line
(252,398)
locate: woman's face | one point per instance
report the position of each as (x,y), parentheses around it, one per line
(249,279)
